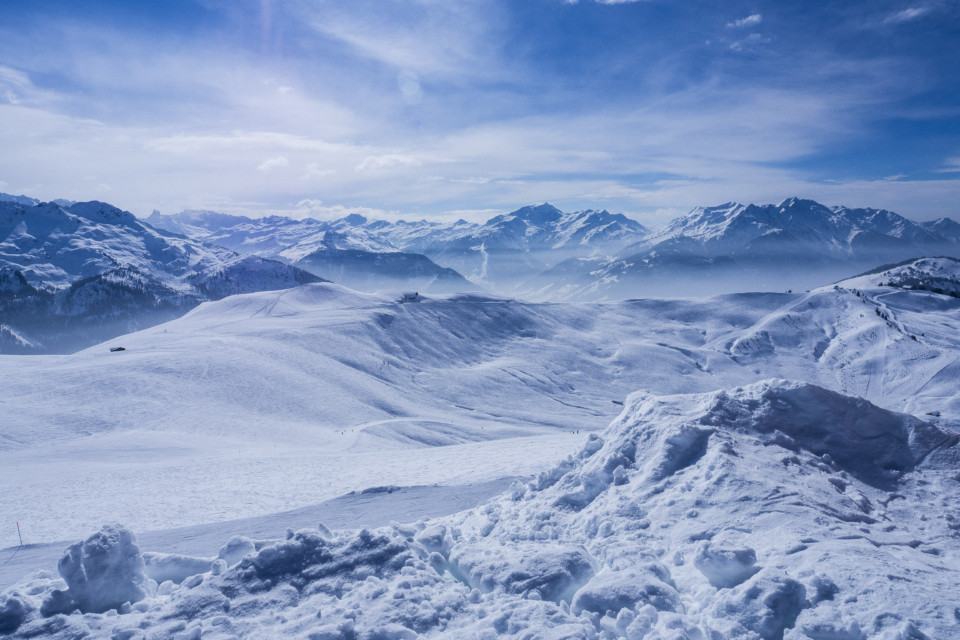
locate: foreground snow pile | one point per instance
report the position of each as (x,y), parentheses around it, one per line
(775,511)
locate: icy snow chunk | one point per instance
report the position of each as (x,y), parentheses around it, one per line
(435,539)
(309,556)
(616,590)
(104,571)
(768,605)
(554,570)
(833,630)
(13,611)
(725,568)
(236,548)
(681,449)
(169,566)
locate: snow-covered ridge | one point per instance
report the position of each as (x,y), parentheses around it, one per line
(760,512)
(797,244)
(87,271)
(732,227)
(937,275)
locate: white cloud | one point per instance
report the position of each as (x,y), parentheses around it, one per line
(314,171)
(750,21)
(239,140)
(752,40)
(387,161)
(952,165)
(436,38)
(911,13)
(16,88)
(315,209)
(272,163)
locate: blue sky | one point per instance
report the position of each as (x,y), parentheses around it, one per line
(437,108)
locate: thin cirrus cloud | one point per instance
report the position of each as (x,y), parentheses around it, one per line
(750,21)
(907,15)
(426,107)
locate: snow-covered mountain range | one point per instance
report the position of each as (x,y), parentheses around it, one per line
(719,503)
(734,247)
(539,252)
(500,254)
(345,251)
(92,259)
(76,273)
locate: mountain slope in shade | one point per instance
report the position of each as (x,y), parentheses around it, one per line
(796,244)
(77,273)
(370,271)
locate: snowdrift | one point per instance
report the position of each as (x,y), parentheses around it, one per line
(775,511)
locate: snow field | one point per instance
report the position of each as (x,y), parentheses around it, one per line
(267,402)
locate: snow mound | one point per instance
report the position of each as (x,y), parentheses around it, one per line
(776,511)
(102,572)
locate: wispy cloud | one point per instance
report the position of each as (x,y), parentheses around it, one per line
(750,21)
(387,161)
(952,165)
(906,15)
(751,41)
(272,163)
(425,106)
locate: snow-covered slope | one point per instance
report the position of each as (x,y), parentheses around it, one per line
(81,272)
(25,200)
(302,395)
(937,275)
(734,247)
(777,511)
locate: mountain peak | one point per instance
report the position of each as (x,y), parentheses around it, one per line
(538,214)
(355,220)
(97,211)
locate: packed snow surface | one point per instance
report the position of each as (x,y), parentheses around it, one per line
(775,511)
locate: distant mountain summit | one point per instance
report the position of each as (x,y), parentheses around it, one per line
(75,273)
(737,247)
(348,251)
(501,253)
(508,250)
